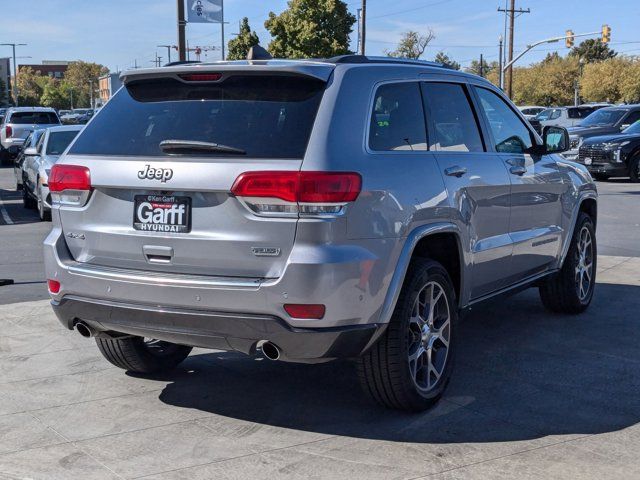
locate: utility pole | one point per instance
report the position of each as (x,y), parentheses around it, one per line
(181,32)
(363,27)
(15,69)
(500,84)
(481,66)
(222,28)
(168,47)
(91,93)
(511,12)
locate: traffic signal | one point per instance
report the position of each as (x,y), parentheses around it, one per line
(606,34)
(569,40)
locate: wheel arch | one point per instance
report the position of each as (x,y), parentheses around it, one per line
(428,241)
(587,203)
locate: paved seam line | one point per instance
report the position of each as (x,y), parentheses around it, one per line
(5,214)
(502,456)
(233,458)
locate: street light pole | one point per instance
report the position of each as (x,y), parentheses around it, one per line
(182,53)
(168,47)
(363,27)
(500,75)
(15,70)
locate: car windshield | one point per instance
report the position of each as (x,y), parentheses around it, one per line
(34,118)
(264,116)
(59,141)
(603,117)
(544,115)
(633,128)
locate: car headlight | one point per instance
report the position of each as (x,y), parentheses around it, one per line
(614,145)
(574,142)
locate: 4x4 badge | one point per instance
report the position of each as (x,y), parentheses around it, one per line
(265,251)
(151,173)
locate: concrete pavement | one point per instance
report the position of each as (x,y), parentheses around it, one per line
(533,396)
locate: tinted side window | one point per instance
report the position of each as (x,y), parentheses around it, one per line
(454,124)
(555,114)
(509,133)
(632,118)
(397,120)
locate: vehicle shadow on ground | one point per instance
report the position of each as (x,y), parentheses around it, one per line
(12,202)
(522,373)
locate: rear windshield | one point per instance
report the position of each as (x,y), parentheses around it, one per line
(264,116)
(59,141)
(30,118)
(603,117)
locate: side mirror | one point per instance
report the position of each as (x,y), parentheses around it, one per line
(31,151)
(555,139)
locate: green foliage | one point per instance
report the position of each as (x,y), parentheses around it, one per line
(78,76)
(3,92)
(447,61)
(412,45)
(592,50)
(550,82)
(238,47)
(613,80)
(310,29)
(35,89)
(487,67)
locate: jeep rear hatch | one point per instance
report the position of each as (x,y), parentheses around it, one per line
(162,157)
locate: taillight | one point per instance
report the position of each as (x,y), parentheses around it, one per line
(306,312)
(8,131)
(201,77)
(287,192)
(70,184)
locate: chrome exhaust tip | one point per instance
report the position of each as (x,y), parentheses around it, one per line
(271,351)
(85,330)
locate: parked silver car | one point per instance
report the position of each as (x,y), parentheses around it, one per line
(30,141)
(19,122)
(312,210)
(36,166)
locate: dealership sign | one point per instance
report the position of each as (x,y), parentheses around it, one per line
(204,11)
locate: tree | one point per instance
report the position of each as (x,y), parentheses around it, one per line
(238,47)
(30,87)
(611,80)
(3,92)
(445,60)
(56,94)
(550,82)
(79,76)
(412,45)
(310,29)
(592,50)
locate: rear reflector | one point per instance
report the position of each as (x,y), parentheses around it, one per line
(201,77)
(301,187)
(312,312)
(69,177)
(54,286)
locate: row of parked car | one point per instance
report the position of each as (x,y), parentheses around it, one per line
(603,137)
(34,138)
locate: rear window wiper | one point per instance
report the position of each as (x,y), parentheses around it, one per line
(193,146)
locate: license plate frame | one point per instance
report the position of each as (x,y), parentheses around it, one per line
(159,214)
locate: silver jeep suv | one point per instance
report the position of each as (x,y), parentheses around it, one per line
(312,210)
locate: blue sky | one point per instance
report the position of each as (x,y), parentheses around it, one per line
(118,32)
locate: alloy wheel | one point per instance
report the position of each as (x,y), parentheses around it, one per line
(428,336)
(584,267)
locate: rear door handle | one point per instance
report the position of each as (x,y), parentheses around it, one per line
(518,170)
(455,171)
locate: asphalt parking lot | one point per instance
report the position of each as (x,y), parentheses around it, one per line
(534,395)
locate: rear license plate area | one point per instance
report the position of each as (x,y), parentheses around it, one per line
(162,213)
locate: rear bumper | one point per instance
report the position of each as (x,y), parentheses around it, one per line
(219,330)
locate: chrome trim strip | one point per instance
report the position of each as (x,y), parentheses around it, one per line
(163,278)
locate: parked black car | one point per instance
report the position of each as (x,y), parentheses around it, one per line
(606,121)
(615,155)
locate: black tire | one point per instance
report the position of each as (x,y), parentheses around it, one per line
(27,200)
(43,212)
(134,354)
(634,169)
(385,371)
(561,293)
(601,177)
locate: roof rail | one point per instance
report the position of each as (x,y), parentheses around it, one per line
(368,59)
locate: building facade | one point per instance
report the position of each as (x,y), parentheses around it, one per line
(108,85)
(5,76)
